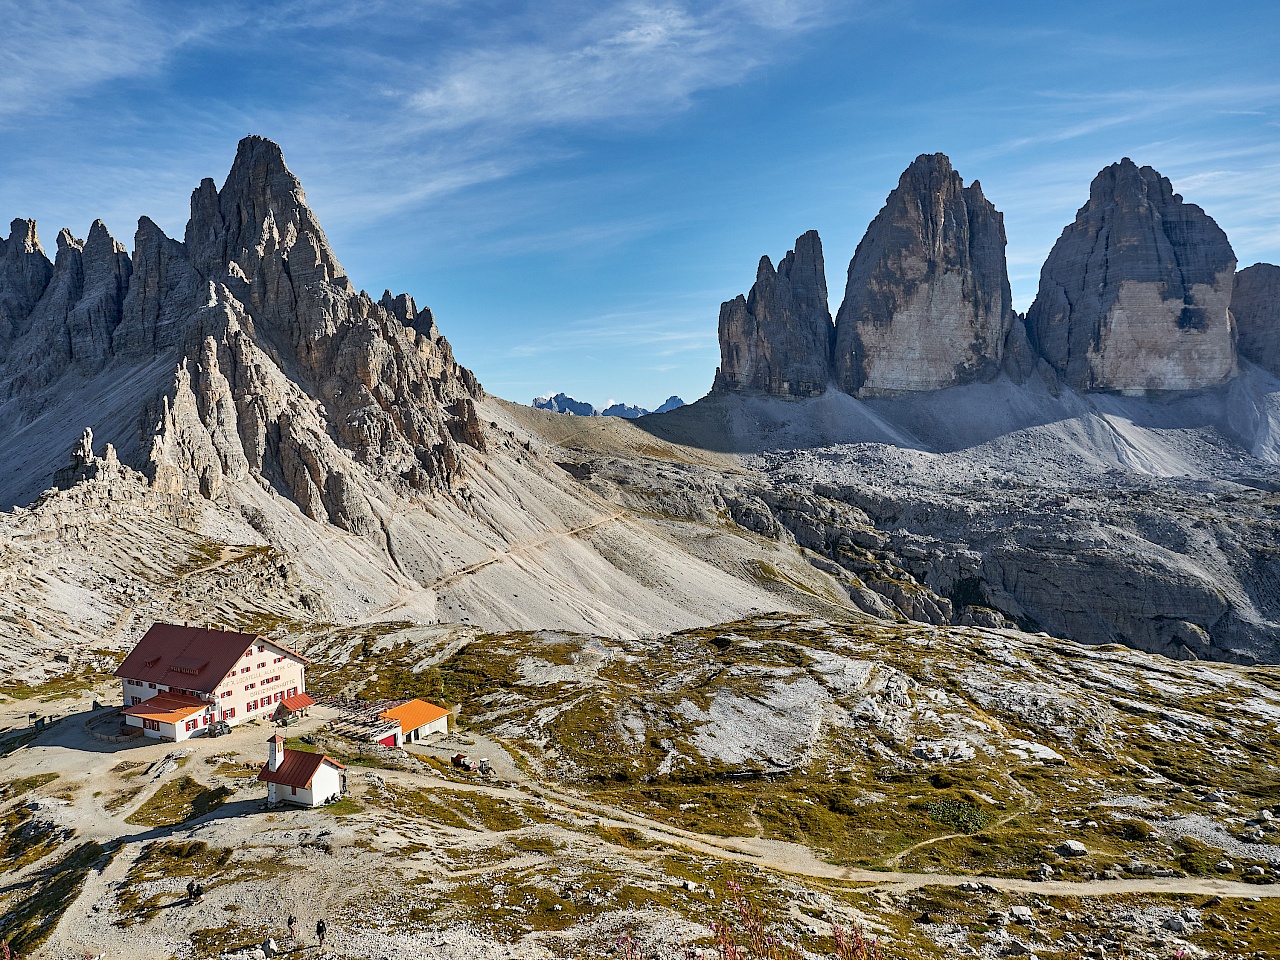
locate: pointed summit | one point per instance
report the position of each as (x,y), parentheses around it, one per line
(1135,294)
(25,271)
(927,302)
(777,339)
(164,293)
(260,213)
(23,238)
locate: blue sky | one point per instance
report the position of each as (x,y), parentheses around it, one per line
(575,187)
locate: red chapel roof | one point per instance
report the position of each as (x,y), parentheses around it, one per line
(297,769)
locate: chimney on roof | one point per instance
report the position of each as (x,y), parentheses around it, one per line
(275,752)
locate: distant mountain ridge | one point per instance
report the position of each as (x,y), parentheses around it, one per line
(563,403)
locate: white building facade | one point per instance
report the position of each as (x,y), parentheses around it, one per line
(299,777)
(178,680)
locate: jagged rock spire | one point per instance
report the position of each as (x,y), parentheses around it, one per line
(402,307)
(260,211)
(396,403)
(76,316)
(1135,294)
(927,301)
(165,292)
(25,271)
(777,339)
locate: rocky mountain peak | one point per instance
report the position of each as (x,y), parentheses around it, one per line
(75,318)
(25,271)
(66,241)
(22,237)
(101,242)
(777,339)
(565,404)
(927,302)
(165,291)
(805,270)
(400,306)
(1135,294)
(929,179)
(397,404)
(261,213)
(403,308)
(1127,184)
(246,352)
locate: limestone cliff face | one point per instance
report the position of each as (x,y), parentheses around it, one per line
(1255,304)
(392,397)
(164,293)
(73,322)
(273,366)
(25,271)
(1135,294)
(927,302)
(777,339)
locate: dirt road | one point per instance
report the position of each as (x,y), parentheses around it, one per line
(798,860)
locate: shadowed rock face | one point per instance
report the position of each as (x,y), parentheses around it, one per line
(277,367)
(777,339)
(73,323)
(927,302)
(165,291)
(1135,293)
(25,271)
(1255,304)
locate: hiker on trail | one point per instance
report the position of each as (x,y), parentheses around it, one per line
(293,927)
(321,930)
(191,890)
(199,891)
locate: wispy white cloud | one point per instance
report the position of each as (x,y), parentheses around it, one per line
(1062,116)
(56,49)
(624,61)
(389,127)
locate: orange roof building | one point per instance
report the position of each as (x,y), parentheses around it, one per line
(167,707)
(299,702)
(417,719)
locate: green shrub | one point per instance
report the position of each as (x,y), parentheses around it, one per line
(961,816)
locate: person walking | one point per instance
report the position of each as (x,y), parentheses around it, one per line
(199,891)
(191,890)
(321,929)
(293,928)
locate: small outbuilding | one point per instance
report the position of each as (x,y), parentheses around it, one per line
(291,708)
(415,720)
(301,778)
(169,715)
